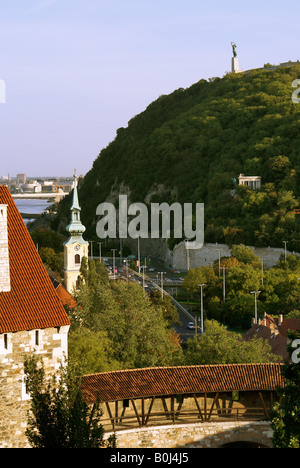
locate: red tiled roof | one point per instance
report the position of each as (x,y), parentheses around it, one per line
(277,342)
(32,302)
(288,324)
(66,298)
(122,385)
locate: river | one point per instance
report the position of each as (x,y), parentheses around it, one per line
(32,207)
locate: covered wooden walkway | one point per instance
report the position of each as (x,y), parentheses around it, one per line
(182,395)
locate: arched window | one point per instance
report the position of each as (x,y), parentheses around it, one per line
(77,259)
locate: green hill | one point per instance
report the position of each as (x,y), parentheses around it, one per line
(188,146)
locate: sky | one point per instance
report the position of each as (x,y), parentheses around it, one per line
(75,71)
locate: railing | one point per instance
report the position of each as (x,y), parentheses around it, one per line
(139,420)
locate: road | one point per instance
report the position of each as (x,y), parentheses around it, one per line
(152,281)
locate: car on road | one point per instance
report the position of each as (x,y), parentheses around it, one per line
(191,325)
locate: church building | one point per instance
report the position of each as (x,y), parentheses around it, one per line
(76,247)
(32,320)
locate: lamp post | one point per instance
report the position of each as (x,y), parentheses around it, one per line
(114,263)
(224,284)
(139,255)
(202,321)
(187,255)
(255,294)
(100,253)
(219,250)
(285,242)
(144,267)
(162,273)
(91,242)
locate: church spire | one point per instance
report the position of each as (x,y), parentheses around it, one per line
(75,228)
(76,248)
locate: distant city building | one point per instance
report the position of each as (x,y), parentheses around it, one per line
(21,179)
(32,187)
(253,182)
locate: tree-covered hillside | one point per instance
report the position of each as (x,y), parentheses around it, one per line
(190,145)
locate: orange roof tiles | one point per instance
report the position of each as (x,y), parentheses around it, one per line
(32,302)
(121,385)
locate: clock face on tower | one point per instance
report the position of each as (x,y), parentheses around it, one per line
(77,247)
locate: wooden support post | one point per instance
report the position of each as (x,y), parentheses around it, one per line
(263,405)
(198,407)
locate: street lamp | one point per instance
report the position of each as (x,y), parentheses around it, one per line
(285,242)
(139,255)
(91,242)
(162,273)
(202,321)
(224,285)
(255,294)
(100,254)
(144,267)
(114,263)
(187,255)
(219,250)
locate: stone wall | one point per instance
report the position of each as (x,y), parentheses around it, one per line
(51,344)
(209,253)
(204,435)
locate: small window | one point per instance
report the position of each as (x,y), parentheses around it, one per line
(37,338)
(125,403)
(77,259)
(5,342)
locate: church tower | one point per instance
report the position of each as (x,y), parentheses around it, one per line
(76,247)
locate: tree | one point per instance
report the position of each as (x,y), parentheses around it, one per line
(197,276)
(136,326)
(285,416)
(54,261)
(219,346)
(60,418)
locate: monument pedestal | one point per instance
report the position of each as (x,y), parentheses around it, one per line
(235,65)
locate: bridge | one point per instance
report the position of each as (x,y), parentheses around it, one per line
(39,196)
(194,406)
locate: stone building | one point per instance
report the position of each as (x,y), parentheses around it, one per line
(32,320)
(252,182)
(275,331)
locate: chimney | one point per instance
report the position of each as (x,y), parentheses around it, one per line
(280,319)
(4,252)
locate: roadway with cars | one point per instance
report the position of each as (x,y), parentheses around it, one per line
(152,281)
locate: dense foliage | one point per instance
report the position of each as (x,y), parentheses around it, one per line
(116,325)
(285,416)
(279,287)
(59,417)
(190,145)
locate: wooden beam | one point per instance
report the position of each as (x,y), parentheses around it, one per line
(149,410)
(110,415)
(198,407)
(263,405)
(212,406)
(136,412)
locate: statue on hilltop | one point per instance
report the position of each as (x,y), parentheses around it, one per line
(234,49)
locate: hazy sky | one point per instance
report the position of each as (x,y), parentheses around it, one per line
(77,70)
